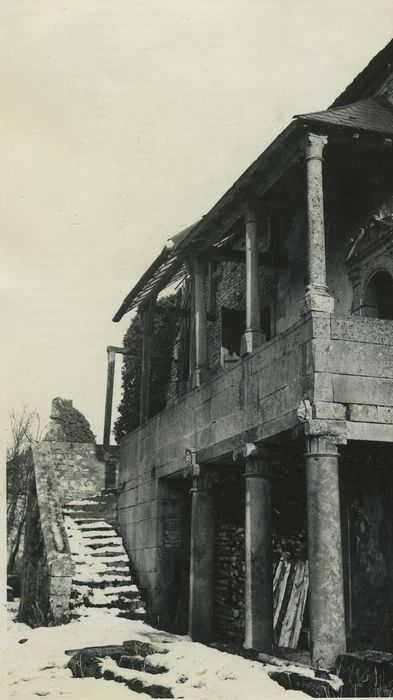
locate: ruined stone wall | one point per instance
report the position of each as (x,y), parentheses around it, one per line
(47,563)
(79,472)
(67,424)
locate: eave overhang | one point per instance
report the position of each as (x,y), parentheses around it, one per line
(259,177)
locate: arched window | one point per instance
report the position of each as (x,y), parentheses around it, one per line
(378,296)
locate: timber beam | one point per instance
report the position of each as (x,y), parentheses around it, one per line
(237,256)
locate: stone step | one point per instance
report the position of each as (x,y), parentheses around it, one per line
(105,539)
(104,567)
(98,527)
(107,547)
(94,535)
(100,581)
(112,553)
(87,513)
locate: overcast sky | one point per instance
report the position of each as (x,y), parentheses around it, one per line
(123,121)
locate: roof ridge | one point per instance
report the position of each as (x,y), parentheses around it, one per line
(364,80)
(338,108)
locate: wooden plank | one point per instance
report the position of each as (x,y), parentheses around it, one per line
(362,390)
(287,592)
(289,619)
(364,330)
(300,598)
(279,585)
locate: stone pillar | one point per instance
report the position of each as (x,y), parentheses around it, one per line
(202,557)
(201,372)
(253,336)
(258,550)
(326,595)
(316,297)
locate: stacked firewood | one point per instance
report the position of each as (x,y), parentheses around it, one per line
(289,553)
(229,583)
(290,543)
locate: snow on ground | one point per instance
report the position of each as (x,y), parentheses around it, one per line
(37,665)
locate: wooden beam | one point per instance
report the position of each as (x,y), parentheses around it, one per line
(237,256)
(122,351)
(109,396)
(179,310)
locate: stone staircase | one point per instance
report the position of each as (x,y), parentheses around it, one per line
(102,577)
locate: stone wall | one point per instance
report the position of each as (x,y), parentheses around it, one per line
(67,424)
(47,563)
(79,472)
(256,398)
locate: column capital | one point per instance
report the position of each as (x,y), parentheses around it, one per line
(321,446)
(313,145)
(249,449)
(250,216)
(203,477)
(335,428)
(257,459)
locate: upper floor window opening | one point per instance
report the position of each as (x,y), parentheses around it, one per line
(378,296)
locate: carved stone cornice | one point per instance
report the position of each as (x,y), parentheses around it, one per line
(375,234)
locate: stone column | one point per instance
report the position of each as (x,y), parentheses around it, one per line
(253,336)
(201,372)
(258,550)
(316,297)
(326,594)
(202,557)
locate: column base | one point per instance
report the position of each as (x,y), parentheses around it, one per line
(201,376)
(317,300)
(251,340)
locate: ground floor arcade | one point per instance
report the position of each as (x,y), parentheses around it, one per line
(322,508)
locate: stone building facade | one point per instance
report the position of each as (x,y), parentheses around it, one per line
(278,429)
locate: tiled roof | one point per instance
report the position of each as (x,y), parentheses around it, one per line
(166,268)
(367,82)
(373,114)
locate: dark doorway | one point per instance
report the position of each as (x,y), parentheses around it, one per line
(367,527)
(378,296)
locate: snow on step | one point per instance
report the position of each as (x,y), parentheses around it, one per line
(100,534)
(102,540)
(87,578)
(102,577)
(100,525)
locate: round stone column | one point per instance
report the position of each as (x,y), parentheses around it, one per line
(258,556)
(201,558)
(326,590)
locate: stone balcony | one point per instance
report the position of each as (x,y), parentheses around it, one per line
(342,366)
